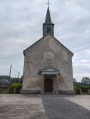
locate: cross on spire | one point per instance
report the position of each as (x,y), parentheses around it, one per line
(48,3)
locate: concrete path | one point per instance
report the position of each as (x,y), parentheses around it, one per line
(44,107)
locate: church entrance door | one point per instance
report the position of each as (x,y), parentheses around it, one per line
(48,85)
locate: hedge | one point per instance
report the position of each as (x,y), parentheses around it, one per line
(84,89)
(77,90)
(16,86)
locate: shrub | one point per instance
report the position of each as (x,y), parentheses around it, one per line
(5,91)
(16,86)
(77,90)
(85,88)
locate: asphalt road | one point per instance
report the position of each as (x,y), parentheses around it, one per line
(44,107)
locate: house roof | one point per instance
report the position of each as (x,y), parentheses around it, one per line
(4,80)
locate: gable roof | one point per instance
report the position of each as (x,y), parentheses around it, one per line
(4,80)
(51,69)
(43,38)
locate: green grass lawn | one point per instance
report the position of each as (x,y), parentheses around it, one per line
(5,91)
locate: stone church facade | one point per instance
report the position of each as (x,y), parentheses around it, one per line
(47,64)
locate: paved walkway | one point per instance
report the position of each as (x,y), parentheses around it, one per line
(44,107)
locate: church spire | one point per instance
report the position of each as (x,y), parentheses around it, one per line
(48,16)
(48,26)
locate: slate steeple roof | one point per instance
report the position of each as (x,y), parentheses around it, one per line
(48,17)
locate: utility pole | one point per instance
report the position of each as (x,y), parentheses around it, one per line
(15,79)
(10,73)
(18,76)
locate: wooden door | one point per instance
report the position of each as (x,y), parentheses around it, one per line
(48,85)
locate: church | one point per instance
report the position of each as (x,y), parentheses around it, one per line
(47,64)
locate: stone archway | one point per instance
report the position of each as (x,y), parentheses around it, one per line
(48,85)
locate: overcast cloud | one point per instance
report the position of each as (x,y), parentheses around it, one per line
(21,25)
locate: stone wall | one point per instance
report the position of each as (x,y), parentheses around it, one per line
(44,53)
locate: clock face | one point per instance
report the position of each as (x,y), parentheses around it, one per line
(48,55)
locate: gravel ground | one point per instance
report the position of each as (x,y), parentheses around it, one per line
(44,107)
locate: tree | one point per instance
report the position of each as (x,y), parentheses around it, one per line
(74,80)
(86,80)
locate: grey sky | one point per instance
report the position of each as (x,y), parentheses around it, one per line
(21,25)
